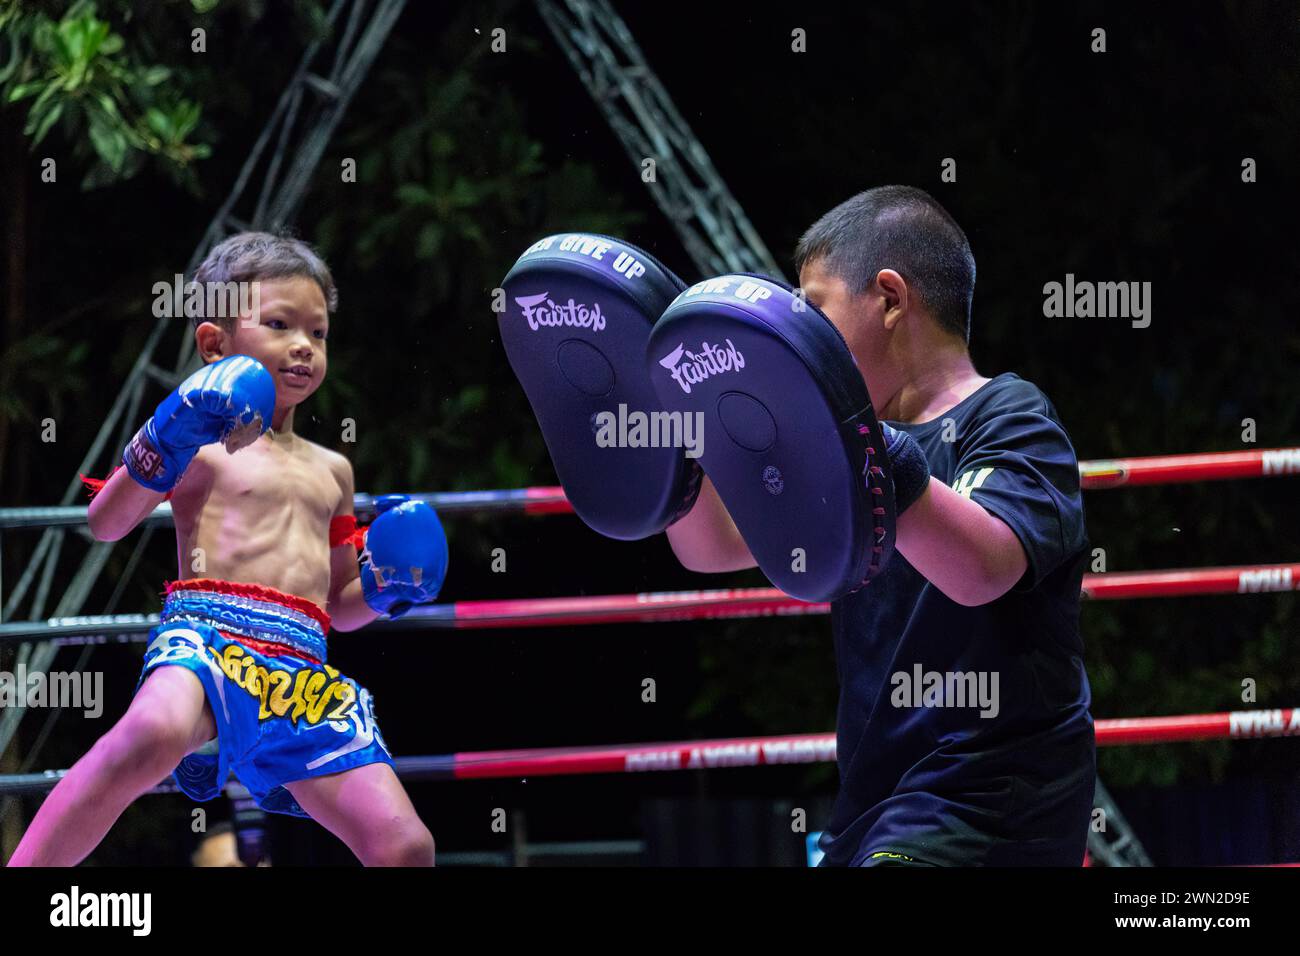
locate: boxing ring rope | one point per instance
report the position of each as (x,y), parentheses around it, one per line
(747,751)
(550,499)
(528,501)
(730,603)
(667,606)
(1178,469)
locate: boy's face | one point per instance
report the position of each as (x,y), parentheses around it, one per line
(288,337)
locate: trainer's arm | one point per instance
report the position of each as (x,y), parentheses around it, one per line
(346,605)
(706,540)
(119,506)
(969,554)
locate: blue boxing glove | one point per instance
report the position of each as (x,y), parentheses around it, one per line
(405,557)
(908,465)
(230,401)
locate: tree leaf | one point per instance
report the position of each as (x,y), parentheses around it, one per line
(415,194)
(11,66)
(428,241)
(108,105)
(185,117)
(54,87)
(24,90)
(98,175)
(96,32)
(109,143)
(160,123)
(69,40)
(155,75)
(49,120)
(120,147)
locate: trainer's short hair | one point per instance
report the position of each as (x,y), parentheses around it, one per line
(904,229)
(252,256)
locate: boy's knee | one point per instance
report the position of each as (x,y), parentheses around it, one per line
(407,845)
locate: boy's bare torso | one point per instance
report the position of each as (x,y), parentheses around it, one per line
(261,515)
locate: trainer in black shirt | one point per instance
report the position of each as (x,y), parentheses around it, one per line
(963,730)
(963,733)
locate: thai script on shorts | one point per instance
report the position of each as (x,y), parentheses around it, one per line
(307,692)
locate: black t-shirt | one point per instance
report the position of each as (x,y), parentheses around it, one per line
(963,733)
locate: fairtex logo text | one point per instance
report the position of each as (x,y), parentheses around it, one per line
(539,310)
(708,361)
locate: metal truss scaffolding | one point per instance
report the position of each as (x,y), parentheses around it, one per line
(714,228)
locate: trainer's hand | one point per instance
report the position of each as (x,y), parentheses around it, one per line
(404,561)
(908,463)
(230,401)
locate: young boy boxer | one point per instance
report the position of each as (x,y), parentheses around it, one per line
(235,676)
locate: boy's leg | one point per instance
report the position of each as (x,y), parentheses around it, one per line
(168,718)
(368,809)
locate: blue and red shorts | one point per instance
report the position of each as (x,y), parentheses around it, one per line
(282,713)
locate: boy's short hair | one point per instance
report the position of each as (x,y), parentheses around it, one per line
(252,256)
(904,229)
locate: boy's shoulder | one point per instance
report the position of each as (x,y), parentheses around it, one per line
(337,463)
(1009,393)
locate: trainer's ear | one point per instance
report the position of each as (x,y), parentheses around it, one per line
(893,290)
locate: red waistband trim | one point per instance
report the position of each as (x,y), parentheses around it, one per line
(258,592)
(269,648)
